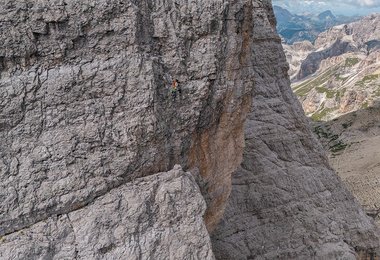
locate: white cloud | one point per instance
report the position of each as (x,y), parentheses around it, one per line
(365,3)
(345,7)
(368,3)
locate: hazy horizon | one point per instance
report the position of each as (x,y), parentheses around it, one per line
(338,7)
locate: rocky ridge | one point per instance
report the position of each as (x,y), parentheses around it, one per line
(296,53)
(305,27)
(340,74)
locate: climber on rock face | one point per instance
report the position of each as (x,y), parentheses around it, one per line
(174,89)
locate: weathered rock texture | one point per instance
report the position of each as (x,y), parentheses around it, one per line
(85,103)
(286,201)
(86,121)
(86,109)
(156,217)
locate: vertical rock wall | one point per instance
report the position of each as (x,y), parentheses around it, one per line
(86,108)
(86,105)
(286,201)
(87,120)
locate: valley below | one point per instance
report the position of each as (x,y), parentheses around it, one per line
(340,72)
(353,143)
(337,81)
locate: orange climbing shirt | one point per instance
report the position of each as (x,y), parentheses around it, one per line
(174,84)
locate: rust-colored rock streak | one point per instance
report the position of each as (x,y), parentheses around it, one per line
(217,151)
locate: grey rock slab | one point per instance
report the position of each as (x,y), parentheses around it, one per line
(156,217)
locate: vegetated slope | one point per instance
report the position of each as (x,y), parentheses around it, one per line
(341,73)
(294,28)
(353,142)
(286,201)
(86,112)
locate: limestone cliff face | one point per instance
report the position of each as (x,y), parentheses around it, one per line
(286,201)
(86,109)
(92,139)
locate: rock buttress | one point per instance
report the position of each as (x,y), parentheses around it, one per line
(286,201)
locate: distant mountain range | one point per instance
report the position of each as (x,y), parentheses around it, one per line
(340,72)
(294,28)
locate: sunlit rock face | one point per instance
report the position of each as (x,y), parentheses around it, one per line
(87,108)
(159,216)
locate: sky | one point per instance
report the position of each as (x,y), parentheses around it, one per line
(338,7)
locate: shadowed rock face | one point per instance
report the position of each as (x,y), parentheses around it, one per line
(86,105)
(286,201)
